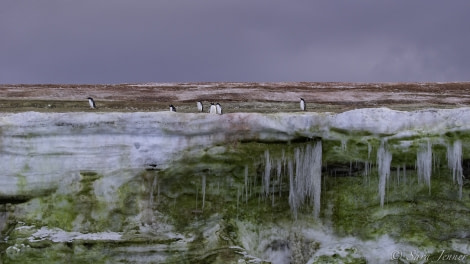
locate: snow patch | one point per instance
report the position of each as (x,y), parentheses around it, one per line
(59,235)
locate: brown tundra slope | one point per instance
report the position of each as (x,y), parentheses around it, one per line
(234,97)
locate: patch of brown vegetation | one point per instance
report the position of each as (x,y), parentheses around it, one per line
(235,97)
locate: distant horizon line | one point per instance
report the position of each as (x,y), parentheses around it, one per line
(163,83)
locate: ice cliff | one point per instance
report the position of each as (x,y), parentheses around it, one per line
(107,153)
(39,149)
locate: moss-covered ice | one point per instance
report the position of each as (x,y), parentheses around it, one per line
(236,188)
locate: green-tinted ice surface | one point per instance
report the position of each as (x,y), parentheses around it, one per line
(191,211)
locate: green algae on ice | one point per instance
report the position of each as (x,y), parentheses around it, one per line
(137,187)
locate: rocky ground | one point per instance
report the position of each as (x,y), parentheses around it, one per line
(234,97)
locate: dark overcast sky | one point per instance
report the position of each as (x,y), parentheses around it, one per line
(116,41)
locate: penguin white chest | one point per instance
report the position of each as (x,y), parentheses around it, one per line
(91,102)
(213,109)
(302,104)
(199,106)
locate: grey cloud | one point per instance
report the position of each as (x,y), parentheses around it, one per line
(139,41)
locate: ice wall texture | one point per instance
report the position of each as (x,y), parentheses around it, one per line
(38,150)
(165,177)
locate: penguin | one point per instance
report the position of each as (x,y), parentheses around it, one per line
(172,108)
(302,104)
(218,108)
(213,109)
(199,106)
(91,102)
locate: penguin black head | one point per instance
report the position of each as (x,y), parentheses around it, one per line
(218,109)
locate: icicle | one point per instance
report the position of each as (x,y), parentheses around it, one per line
(197,192)
(344,144)
(298,161)
(454,161)
(424,165)
(317,153)
(384,159)
(246,184)
(238,199)
(404,173)
(398,175)
(293,203)
(267,173)
(366,168)
(152,190)
(367,163)
(278,170)
(252,183)
(366,172)
(203,190)
(158,194)
(350,168)
(272,198)
(305,184)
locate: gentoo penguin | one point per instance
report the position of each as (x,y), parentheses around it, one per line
(91,102)
(218,109)
(172,108)
(199,106)
(213,109)
(302,104)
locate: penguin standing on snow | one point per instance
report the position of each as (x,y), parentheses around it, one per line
(302,104)
(213,109)
(199,106)
(218,108)
(172,108)
(91,102)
